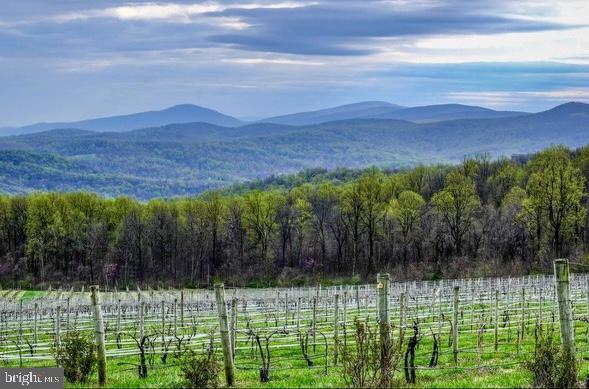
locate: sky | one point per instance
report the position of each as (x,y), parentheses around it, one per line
(65,60)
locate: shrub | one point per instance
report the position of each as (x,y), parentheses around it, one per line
(551,367)
(76,355)
(363,362)
(200,370)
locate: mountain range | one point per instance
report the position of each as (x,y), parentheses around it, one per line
(179,159)
(183,113)
(188,113)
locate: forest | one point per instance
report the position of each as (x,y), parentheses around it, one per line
(482,217)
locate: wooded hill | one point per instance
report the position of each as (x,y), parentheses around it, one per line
(479,218)
(186,159)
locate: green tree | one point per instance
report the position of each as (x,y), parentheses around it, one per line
(215,212)
(322,200)
(406,209)
(555,191)
(457,204)
(259,218)
(45,230)
(373,205)
(507,176)
(352,209)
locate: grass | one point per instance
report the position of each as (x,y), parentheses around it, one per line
(478,364)
(289,369)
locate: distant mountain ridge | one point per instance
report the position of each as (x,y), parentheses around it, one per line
(367,109)
(441,112)
(184,113)
(383,110)
(185,159)
(188,113)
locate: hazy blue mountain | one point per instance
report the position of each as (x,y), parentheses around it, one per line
(441,112)
(185,159)
(365,109)
(185,113)
(383,110)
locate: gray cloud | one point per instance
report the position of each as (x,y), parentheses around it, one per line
(342,28)
(66,60)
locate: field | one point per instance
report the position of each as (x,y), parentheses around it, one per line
(498,322)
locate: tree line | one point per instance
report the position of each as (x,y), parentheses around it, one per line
(482,217)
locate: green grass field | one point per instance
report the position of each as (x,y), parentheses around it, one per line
(270,312)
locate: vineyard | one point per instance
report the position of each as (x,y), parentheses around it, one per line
(449,332)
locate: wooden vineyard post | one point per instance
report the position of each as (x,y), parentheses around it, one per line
(358,301)
(314,324)
(386,374)
(58,326)
(335,330)
(588,307)
(523,313)
(139,315)
(182,308)
(561,278)
(440,302)
(541,308)
(36,325)
(455,324)
(118,330)
(225,341)
(344,319)
(99,332)
(163,314)
(401,317)
(20,332)
(286,310)
(233,326)
(67,314)
(496,319)
(299,314)
(141,320)
(175,316)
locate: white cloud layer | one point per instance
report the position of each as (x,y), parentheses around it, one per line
(170,12)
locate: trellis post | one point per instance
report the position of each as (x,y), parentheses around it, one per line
(233,325)
(118,316)
(163,314)
(299,314)
(225,341)
(182,308)
(382,286)
(496,326)
(335,330)
(314,324)
(561,278)
(455,324)
(36,324)
(58,326)
(401,317)
(141,320)
(99,333)
(286,309)
(588,307)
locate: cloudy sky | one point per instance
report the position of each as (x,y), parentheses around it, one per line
(74,59)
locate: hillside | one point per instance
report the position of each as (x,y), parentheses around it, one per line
(382,110)
(441,112)
(177,114)
(185,159)
(367,109)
